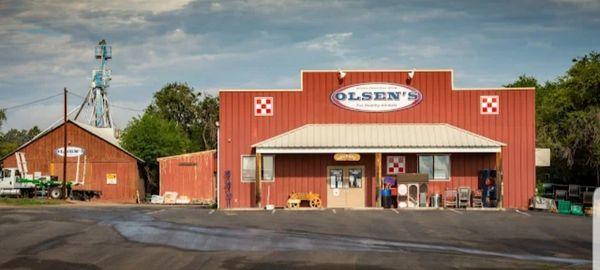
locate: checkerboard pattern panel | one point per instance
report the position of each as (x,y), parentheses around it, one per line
(396,164)
(263,106)
(490,104)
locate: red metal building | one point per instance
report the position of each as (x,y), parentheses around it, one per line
(95,160)
(393,121)
(192,175)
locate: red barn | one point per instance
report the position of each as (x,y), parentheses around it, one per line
(342,133)
(192,175)
(94,159)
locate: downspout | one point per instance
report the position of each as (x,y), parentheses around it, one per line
(218,165)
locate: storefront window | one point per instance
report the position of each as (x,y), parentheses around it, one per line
(249,168)
(437,167)
(355,176)
(441,167)
(426,165)
(336,178)
(268,167)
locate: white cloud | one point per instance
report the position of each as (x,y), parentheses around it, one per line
(421,50)
(154,6)
(332,43)
(430,14)
(43,56)
(513,28)
(582,4)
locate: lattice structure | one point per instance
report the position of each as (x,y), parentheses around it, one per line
(96,104)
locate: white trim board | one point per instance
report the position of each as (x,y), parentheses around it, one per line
(378,150)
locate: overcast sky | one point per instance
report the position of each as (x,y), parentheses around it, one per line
(48,45)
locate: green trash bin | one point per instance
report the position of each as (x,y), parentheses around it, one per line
(577,209)
(564,207)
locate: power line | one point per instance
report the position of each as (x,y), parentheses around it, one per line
(112,104)
(77,95)
(32,102)
(125,108)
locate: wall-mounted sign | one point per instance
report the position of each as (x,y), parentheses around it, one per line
(263,106)
(111,178)
(72,151)
(376,97)
(346,157)
(489,104)
(187,164)
(396,164)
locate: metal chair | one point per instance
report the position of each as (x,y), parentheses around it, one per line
(588,198)
(464,197)
(477,198)
(451,198)
(547,190)
(574,193)
(560,194)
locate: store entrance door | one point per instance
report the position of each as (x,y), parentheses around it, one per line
(345,186)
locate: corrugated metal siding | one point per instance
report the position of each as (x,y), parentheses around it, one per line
(378,135)
(197,181)
(102,158)
(515,125)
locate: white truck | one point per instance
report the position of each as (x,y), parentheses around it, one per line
(12,183)
(17,182)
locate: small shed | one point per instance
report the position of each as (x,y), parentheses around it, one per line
(95,160)
(192,175)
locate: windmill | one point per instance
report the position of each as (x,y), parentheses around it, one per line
(96,104)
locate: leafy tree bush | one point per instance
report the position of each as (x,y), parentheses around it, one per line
(195,113)
(150,137)
(568,122)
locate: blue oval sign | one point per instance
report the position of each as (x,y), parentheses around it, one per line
(376,97)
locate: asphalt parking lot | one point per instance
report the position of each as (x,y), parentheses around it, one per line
(160,237)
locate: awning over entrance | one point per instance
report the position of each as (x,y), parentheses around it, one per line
(378,138)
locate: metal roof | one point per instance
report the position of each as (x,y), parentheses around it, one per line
(106,134)
(374,138)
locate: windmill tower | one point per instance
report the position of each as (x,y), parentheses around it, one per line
(95,104)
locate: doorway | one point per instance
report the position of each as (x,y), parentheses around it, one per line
(346,186)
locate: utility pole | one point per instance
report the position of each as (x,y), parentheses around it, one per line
(64,180)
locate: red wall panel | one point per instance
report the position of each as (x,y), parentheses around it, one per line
(191,175)
(514,126)
(102,158)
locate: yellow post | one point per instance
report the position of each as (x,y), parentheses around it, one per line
(258,175)
(378,178)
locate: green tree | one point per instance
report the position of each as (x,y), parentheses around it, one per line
(568,121)
(150,137)
(178,103)
(2,117)
(194,112)
(524,81)
(209,116)
(14,138)
(20,136)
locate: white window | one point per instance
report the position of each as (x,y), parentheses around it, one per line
(268,168)
(437,166)
(249,168)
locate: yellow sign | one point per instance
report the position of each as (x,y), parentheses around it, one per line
(346,157)
(111,178)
